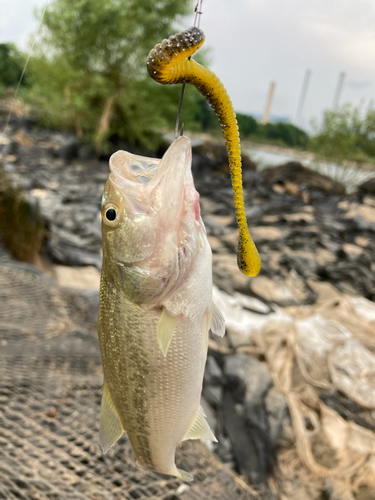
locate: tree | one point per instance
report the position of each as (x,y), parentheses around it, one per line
(11,65)
(205,116)
(247,124)
(288,134)
(346,134)
(90,72)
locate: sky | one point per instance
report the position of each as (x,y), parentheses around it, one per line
(254,42)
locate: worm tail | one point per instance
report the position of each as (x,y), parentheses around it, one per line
(170,63)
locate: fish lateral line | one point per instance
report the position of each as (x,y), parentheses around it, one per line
(170,63)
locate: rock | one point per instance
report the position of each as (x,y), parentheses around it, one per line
(215,156)
(362,215)
(306,267)
(303,177)
(91,299)
(247,457)
(367,186)
(61,251)
(247,164)
(352,277)
(254,180)
(245,416)
(276,411)
(364,308)
(77,277)
(22,138)
(213,395)
(23,122)
(292,291)
(348,409)
(213,374)
(67,152)
(247,377)
(213,226)
(9,148)
(224,450)
(251,445)
(260,233)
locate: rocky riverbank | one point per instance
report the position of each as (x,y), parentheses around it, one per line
(289,391)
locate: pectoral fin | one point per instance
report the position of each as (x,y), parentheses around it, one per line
(217,322)
(111,428)
(200,428)
(165,330)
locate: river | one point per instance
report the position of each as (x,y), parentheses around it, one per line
(350,176)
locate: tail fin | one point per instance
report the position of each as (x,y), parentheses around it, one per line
(181,474)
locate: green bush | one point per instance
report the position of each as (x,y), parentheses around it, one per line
(247,125)
(346,134)
(11,65)
(284,133)
(205,116)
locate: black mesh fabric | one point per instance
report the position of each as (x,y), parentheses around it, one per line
(50,394)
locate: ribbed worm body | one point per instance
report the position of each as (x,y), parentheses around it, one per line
(170,63)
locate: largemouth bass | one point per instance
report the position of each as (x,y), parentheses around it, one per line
(155,307)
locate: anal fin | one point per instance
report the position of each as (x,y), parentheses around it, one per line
(200,429)
(165,330)
(182,474)
(217,322)
(111,428)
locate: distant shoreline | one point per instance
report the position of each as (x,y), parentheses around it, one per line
(298,154)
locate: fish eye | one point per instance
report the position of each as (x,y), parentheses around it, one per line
(111,215)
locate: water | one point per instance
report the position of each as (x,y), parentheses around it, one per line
(351,177)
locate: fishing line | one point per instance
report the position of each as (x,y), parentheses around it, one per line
(24,68)
(197,23)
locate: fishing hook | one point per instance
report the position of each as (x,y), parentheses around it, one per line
(197,22)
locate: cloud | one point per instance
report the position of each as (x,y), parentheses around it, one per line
(17,20)
(263,40)
(256,41)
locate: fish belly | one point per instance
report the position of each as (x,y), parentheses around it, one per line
(156,397)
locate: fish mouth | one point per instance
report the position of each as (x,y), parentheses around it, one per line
(138,177)
(133,168)
(131,174)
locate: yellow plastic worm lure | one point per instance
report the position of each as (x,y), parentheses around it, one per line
(170,63)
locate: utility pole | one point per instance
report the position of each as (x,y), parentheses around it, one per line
(301,102)
(267,108)
(340,84)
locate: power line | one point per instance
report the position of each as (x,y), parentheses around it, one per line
(340,83)
(302,97)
